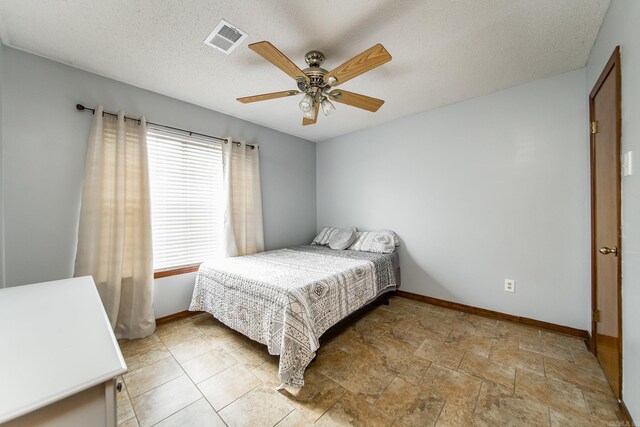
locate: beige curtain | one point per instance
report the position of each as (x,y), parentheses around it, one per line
(243,234)
(114,236)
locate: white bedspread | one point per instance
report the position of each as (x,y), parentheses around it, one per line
(286,299)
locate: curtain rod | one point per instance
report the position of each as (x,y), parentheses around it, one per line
(81,107)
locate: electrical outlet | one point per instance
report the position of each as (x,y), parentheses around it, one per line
(509,285)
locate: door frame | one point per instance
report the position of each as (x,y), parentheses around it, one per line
(612,65)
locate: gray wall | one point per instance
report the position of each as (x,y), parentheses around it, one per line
(1,174)
(621,27)
(44,152)
(491,188)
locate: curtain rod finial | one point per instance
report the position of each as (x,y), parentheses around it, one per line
(79,107)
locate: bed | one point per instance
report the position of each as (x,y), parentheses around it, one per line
(286,299)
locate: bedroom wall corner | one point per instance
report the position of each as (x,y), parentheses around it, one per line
(487,189)
(1,169)
(620,27)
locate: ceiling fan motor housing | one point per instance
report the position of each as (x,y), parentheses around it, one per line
(315,75)
(314,58)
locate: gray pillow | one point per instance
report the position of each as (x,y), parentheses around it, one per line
(325,234)
(373,241)
(342,238)
(396,239)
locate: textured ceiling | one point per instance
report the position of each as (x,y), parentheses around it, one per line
(444,51)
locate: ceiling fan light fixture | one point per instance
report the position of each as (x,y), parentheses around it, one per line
(306,104)
(327,106)
(309,114)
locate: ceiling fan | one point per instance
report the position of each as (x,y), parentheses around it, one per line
(316,82)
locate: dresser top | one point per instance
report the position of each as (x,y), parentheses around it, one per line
(55,340)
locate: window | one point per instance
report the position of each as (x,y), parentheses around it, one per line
(186,199)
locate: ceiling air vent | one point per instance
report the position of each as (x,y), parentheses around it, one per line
(225,37)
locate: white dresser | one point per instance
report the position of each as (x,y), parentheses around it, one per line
(58,356)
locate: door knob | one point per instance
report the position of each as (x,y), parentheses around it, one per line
(606,251)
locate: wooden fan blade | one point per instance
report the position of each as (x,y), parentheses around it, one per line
(277,58)
(306,121)
(356,100)
(267,96)
(359,64)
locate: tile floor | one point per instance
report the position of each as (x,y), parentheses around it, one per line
(405,364)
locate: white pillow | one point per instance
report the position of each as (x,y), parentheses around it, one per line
(373,241)
(342,238)
(325,234)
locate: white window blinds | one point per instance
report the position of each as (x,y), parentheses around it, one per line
(186,197)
